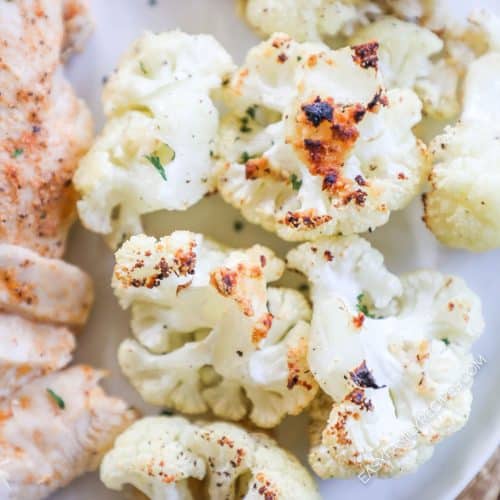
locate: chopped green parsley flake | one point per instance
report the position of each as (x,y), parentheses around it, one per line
(296,182)
(238,226)
(244,125)
(17,152)
(245,157)
(363,308)
(446,341)
(166,413)
(57,399)
(251,111)
(156,162)
(143,68)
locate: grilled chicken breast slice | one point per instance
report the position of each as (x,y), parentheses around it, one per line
(43,289)
(55,429)
(29,350)
(44,127)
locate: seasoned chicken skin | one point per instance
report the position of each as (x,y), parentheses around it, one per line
(43,289)
(29,350)
(55,429)
(44,127)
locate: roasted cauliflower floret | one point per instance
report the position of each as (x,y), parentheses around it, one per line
(315,145)
(325,19)
(408,60)
(160,456)
(155,151)
(210,332)
(462,208)
(152,457)
(392,355)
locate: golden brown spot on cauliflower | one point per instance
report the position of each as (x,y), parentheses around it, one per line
(423,351)
(281,41)
(224,280)
(305,220)
(357,397)
(298,370)
(239,81)
(339,428)
(325,135)
(312,60)
(363,377)
(183,264)
(227,282)
(378,100)
(366,54)
(185,260)
(257,168)
(183,286)
(225,441)
(282,58)
(261,329)
(358,320)
(240,455)
(267,490)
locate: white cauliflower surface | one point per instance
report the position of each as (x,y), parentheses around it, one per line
(391,354)
(210,333)
(412,56)
(315,145)
(155,152)
(161,456)
(317,20)
(462,208)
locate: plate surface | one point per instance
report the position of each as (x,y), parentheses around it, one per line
(404,241)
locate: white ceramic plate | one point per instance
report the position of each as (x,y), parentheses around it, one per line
(405,243)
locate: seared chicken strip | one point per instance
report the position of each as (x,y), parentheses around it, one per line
(53,426)
(29,350)
(44,128)
(55,429)
(43,289)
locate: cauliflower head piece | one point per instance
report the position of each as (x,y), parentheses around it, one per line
(412,56)
(314,145)
(327,20)
(155,152)
(210,333)
(152,457)
(392,355)
(462,208)
(161,456)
